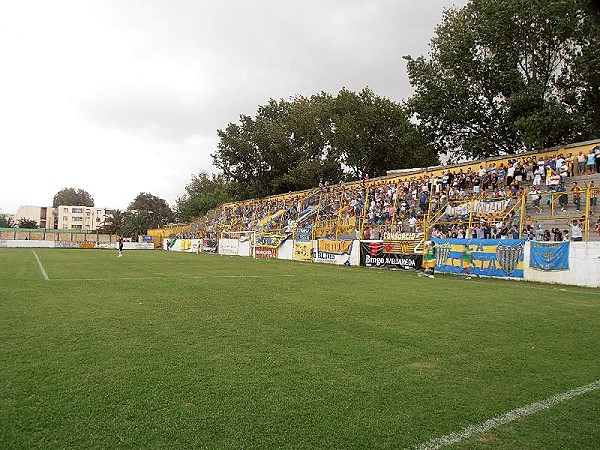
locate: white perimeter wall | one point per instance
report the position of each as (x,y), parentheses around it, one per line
(584,260)
(54,244)
(584,266)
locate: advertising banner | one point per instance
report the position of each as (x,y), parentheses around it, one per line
(491,257)
(303,251)
(178,245)
(228,247)
(332,258)
(334,246)
(270,239)
(549,256)
(375,254)
(266,252)
(333,252)
(402,243)
(209,245)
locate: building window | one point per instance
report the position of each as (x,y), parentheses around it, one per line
(77,210)
(65,218)
(66,210)
(76,227)
(77,219)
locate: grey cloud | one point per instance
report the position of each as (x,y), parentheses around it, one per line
(248,52)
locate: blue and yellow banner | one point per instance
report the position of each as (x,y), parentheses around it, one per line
(549,256)
(491,257)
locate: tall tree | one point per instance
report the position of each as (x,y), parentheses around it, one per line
(114,223)
(501,77)
(373,135)
(158,211)
(72,196)
(136,224)
(292,145)
(202,194)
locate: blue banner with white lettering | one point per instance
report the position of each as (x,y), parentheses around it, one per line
(490,257)
(549,256)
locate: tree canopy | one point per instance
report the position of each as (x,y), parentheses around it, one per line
(203,193)
(114,223)
(508,75)
(294,145)
(157,210)
(72,197)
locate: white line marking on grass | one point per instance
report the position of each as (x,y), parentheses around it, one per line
(41,266)
(508,417)
(193,277)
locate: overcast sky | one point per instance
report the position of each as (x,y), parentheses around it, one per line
(119,98)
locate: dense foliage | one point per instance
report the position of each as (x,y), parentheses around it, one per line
(296,144)
(203,193)
(72,197)
(510,75)
(155,208)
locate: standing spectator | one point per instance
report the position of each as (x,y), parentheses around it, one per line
(593,197)
(563,198)
(581,159)
(576,232)
(537,176)
(539,233)
(570,161)
(591,161)
(501,174)
(536,197)
(597,157)
(576,189)
(554,179)
(412,224)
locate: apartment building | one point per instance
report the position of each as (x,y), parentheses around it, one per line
(80,217)
(42,215)
(65,217)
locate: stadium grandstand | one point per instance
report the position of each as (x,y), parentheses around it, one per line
(532,195)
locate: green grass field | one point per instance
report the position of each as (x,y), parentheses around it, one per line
(174,350)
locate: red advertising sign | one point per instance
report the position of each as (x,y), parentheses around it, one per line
(266,252)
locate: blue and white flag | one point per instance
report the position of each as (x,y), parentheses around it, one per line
(549,256)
